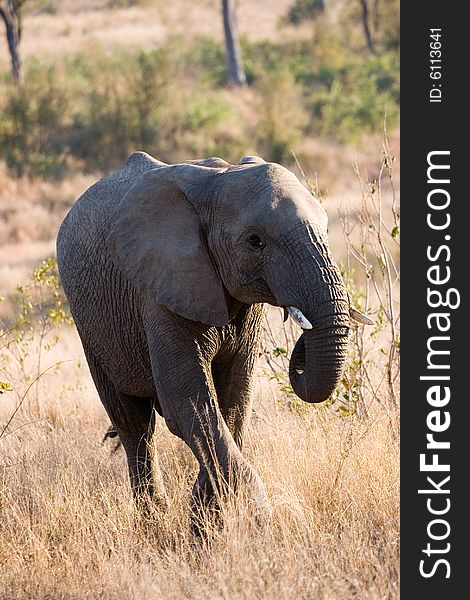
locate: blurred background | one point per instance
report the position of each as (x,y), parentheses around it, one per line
(94,80)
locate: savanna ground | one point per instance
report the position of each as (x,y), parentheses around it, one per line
(102,78)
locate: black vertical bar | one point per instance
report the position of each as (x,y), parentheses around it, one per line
(434,119)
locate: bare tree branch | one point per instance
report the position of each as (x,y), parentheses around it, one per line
(365,25)
(10,16)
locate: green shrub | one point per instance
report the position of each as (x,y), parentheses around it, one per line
(282,116)
(304,9)
(121,111)
(206,58)
(91,109)
(263,57)
(360,97)
(32,123)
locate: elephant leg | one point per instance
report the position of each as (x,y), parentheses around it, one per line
(182,373)
(234,383)
(233,373)
(133,418)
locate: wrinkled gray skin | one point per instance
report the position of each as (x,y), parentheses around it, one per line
(167,292)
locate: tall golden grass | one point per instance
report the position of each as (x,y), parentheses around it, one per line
(68,527)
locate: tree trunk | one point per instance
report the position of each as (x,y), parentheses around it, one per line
(236,73)
(365,25)
(13,31)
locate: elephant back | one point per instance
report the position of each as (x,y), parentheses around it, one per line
(80,241)
(98,201)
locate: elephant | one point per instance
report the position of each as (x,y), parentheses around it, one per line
(166,269)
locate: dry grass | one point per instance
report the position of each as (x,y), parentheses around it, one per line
(31,210)
(76,25)
(69,530)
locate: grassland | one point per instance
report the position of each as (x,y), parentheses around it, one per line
(68,528)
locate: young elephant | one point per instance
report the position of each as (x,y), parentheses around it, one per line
(166,268)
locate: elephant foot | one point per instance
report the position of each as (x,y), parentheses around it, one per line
(150,504)
(262,511)
(205,509)
(209,508)
(259,508)
(149,518)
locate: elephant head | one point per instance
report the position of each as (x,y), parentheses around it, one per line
(196,236)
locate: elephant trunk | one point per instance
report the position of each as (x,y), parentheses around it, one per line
(319,355)
(317,360)
(313,293)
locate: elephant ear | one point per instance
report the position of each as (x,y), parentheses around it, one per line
(157,241)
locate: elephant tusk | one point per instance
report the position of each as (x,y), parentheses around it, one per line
(359,317)
(299,318)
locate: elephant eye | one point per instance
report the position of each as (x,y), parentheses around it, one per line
(255,241)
